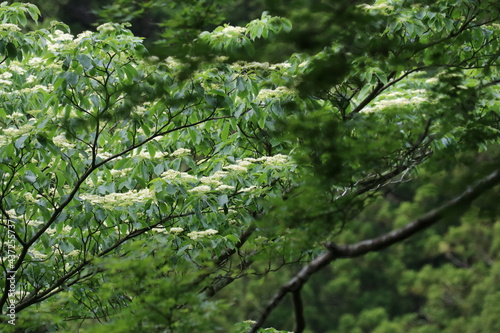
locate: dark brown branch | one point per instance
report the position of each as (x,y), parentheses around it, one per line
(376,244)
(300,322)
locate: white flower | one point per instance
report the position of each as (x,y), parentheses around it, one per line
(382,6)
(120,173)
(83,35)
(62,36)
(276,160)
(35,61)
(34,223)
(201,189)
(104,155)
(9,27)
(219,174)
(106,27)
(176,230)
(15,116)
(29,197)
(230,30)
(280,65)
(114,200)
(236,168)
(201,234)
(181,177)
(31,79)
(224,187)
(210,181)
(16,68)
(244,163)
(181,152)
(6,75)
(37,255)
(398,102)
(61,141)
(161,230)
(14,132)
(36,88)
(274,93)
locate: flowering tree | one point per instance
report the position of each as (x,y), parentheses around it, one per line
(133,189)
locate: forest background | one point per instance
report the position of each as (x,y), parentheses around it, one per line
(209,173)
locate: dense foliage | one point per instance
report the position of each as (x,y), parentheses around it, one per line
(143,193)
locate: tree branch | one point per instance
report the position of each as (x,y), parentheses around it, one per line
(376,244)
(300,322)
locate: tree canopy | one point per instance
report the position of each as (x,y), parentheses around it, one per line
(159,185)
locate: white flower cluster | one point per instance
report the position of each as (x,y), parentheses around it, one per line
(179,177)
(176,230)
(12,132)
(61,141)
(83,35)
(65,230)
(114,200)
(35,61)
(398,102)
(172,62)
(102,155)
(62,36)
(4,78)
(37,88)
(106,27)
(13,215)
(59,40)
(173,231)
(180,152)
(16,68)
(223,187)
(377,6)
(229,31)
(279,92)
(236,168)
(144,154)
(120,173)
(37,255)
(9,27)
(201,189)
(250,66)
(275,160)
(15,116)
(194,235)
(4,140)
(213,180)
(34,223)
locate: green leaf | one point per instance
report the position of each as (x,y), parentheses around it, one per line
(85,61)
(222,200)
(11,51)
(19,144)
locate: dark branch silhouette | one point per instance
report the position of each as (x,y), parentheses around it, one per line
(300,321)
(335,251)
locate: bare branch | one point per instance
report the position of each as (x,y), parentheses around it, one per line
(376,244)
(300,322)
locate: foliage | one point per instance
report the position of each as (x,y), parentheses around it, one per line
(134,188)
